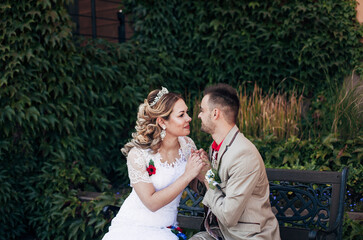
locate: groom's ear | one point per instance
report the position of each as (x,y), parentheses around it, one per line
(216,113)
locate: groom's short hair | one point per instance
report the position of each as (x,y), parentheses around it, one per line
(225,97)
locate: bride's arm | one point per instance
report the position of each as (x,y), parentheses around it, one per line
(155,200)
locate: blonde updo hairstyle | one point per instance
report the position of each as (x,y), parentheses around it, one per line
(148,131)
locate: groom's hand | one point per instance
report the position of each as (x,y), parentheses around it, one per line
(204,156)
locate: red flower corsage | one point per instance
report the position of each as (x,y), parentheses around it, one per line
(151,169)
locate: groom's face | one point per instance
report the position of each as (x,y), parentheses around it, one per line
(205,115)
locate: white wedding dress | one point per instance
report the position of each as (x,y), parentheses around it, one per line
(134,221)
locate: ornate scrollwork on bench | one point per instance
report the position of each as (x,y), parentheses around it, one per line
(190,203)
(308,204)
(301,205)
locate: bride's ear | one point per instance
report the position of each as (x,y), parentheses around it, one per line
(161,122)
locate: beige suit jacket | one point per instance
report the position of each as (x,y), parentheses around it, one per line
(245,211)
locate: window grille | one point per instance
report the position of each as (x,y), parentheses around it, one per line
(100,19)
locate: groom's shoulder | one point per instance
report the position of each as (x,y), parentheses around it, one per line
(243,144)
(241,139)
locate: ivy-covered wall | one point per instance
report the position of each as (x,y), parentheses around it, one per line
(310,45)
(66,106)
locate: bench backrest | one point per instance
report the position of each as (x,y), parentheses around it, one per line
(301,200)
(308,199)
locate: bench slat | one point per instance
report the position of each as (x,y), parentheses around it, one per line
(190,222)
(305,176)
(294,233)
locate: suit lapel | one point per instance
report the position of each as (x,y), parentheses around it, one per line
(227,142)
(210,153)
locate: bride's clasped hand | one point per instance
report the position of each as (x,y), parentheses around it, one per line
(194,166)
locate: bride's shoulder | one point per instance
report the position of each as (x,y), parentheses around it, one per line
(187,143)
(135,150)
(140,152)
(186,139)
(139,156)
(135,153)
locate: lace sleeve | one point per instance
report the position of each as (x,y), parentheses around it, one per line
(191,143)
(137,167)
(187,144)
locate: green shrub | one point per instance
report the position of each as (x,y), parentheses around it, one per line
(58,213)
(9,209)
(352,229)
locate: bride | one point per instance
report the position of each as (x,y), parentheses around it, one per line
(161,162)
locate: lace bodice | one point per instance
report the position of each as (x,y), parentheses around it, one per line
(135,221)
(139,159)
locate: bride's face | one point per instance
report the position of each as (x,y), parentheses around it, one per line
(178,122)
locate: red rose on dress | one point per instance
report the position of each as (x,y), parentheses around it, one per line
(151,169)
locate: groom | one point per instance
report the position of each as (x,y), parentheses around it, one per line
(239,207)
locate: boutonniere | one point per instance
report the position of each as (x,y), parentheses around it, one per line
(216,175)
(151,168)
(178,232)
(213,179)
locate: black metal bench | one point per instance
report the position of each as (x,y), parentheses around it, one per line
(307,204)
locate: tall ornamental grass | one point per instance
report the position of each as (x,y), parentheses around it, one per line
(348,109)
(277,114)
(260,115)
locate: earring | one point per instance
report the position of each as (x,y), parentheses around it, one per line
(163,133)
